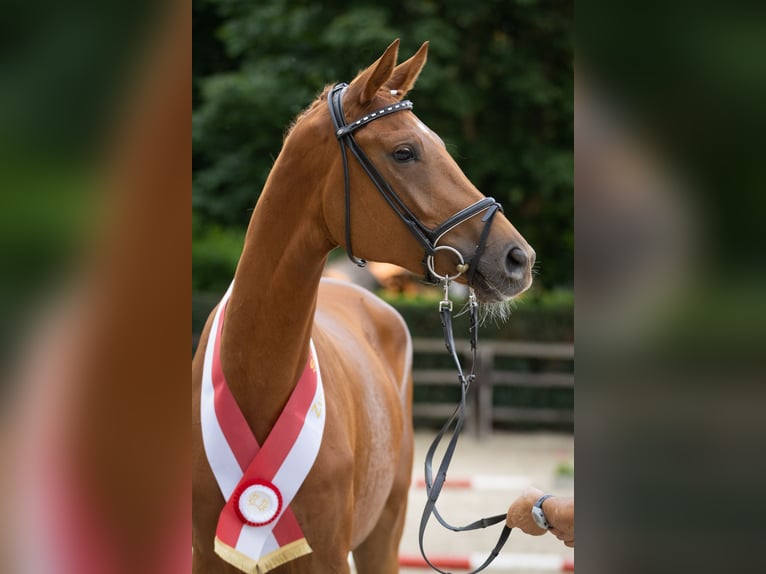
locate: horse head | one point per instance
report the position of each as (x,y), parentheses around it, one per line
(405,195)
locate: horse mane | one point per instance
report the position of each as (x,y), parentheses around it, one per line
(320,99)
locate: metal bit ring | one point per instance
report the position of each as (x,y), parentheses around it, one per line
(448,277)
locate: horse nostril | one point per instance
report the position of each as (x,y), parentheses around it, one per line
(517,259)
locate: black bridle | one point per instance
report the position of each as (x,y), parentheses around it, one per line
(428,239)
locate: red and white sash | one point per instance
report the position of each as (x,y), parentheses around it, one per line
(257,531)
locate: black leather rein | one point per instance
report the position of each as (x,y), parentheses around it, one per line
(428,238)
(434,484)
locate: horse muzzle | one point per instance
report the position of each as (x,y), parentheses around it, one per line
(504,273)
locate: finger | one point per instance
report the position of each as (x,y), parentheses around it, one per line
(563,536)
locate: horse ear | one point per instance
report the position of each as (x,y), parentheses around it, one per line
(368,83)
(406,73)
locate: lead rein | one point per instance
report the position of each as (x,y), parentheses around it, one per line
(434,486)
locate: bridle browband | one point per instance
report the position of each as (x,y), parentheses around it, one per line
(428,238)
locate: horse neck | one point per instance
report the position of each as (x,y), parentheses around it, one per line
(269,317)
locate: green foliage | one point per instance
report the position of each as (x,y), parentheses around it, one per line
(497,88)
(215,253)
(564,469)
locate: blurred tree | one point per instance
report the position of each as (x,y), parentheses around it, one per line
(497,88)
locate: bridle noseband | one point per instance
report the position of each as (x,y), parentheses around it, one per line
(428,238)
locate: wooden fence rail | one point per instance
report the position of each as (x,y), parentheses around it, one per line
(481,410)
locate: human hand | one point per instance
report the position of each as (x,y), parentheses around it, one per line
(520,512)
(559,512)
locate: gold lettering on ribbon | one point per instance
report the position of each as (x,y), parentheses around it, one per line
(259,501)
(317,407)
(313,364)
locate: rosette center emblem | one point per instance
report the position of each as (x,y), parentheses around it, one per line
(259,503)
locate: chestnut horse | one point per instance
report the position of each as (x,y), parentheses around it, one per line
(354,498)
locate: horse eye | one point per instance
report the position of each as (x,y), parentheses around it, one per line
(404,153)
